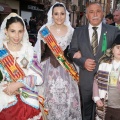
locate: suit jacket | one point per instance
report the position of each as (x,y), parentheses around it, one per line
(81,41)
(113,24)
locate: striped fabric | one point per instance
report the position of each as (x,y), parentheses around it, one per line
(101,111)
(102,79)
(94,40)
(12,67)
(29,94)
(30,80)
(35,66)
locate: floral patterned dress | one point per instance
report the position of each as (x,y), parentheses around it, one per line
(62,98)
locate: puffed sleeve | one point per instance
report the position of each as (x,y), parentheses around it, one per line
(34,75)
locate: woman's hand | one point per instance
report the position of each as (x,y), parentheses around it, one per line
(12,88)
(77,55)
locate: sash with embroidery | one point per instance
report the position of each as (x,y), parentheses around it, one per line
(58,53)
(102,81)
(7,61)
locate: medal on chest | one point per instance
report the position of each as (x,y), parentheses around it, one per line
(24,62)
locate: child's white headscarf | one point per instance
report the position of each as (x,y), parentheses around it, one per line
(25,39)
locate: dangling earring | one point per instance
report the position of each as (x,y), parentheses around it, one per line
(7,38)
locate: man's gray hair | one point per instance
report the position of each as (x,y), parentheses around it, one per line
(93,3)
(118,7)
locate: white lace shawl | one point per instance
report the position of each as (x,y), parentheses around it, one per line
(62,41)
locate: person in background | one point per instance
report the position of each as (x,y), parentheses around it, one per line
(88,39)
(21,72)
(33,25)
(109,19)
(106,87)
(116,16)
(61,92)
(30,22)
(39,24)
(26,24)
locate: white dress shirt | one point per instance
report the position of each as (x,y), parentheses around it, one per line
(117,25)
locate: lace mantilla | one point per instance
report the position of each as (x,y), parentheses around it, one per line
(64,41)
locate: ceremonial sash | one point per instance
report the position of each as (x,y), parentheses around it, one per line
(7,61)
(58,53)
(101,111)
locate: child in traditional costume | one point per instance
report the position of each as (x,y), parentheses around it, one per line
(106,87)
(21,72)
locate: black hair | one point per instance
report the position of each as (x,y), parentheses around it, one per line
(14,20)
(33,17)
(58,5)
(109,16)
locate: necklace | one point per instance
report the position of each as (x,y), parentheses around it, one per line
(14,47)
(58,29)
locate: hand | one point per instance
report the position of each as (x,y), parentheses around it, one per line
(90,64)
(99,103)
(12,88)
(77,55)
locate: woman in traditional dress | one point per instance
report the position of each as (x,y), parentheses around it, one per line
(61,92)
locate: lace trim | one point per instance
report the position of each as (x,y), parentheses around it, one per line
(63,41)
(38,117)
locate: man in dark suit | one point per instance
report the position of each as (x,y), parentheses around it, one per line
(88,62)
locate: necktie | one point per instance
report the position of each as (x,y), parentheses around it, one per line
(94,40)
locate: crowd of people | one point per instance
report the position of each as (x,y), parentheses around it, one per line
(41,82)
(113,19)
